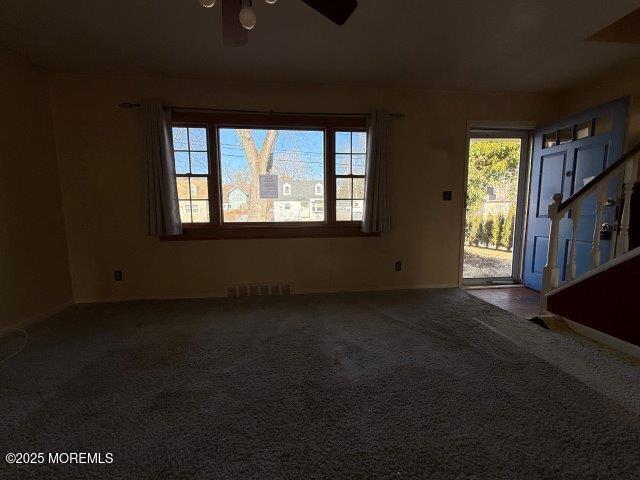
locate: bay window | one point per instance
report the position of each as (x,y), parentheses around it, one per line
(261,176)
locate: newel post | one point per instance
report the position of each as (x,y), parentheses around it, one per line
(551,273)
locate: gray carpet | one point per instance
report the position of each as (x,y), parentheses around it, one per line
(422,384)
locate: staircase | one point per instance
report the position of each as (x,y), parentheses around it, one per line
(606,297)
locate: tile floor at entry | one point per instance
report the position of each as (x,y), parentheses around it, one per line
(519,300)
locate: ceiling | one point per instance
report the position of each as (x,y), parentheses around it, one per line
(625,30)
(499,45)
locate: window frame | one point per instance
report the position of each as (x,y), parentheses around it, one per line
(191,175)
(351,177)
(216,228)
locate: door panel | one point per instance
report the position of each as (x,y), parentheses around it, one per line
(589,162)
(566,156)
(540,246)
(551,180)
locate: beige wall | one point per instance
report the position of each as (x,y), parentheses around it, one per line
(99,149)
(34,264)
(615,82)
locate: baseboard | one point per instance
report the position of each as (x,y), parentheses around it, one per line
(374,289)
(605,339)
(26,322)
(200,296)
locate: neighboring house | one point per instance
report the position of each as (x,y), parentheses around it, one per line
(196,211)
(234,197)
(498,202)
(235,201)
(299,201)
(347,210)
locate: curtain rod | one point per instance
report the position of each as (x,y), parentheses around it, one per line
(257,112)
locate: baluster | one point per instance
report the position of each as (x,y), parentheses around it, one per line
(616,225)
(551,273)
(601,200)
(575,220)
(630,176)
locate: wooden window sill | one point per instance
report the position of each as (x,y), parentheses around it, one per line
(228,232)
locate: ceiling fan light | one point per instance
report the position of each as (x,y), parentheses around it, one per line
(207,3)
(247,18)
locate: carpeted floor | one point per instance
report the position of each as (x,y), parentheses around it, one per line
(421,384)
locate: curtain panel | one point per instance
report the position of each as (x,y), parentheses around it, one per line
(377,204)
(161,199)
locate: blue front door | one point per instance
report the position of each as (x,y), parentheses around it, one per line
(566,156)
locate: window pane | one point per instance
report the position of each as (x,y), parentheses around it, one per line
(358,188)
(180,141)
(343,210)
(292,157)
(183,188)
(185,211)
(343,142)
(356,210)
(358,165)
(200,211)
(343,164)
(182,162)
(199,163)
(359,142)
(190,145)
(343,188)
(565,135)
(549,140)
(583,130)
(197,139)
(199,188)
(603,125)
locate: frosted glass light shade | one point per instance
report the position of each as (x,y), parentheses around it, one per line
(247,18)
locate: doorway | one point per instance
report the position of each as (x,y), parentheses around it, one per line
(495,204)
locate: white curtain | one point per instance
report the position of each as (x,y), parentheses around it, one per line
(377,204)
(162,209)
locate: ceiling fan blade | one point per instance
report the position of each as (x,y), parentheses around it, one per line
(233,33)
(338,11)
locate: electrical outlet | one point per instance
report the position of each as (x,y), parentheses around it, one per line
(398,265)
(117,275)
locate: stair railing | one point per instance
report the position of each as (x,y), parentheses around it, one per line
(625,168)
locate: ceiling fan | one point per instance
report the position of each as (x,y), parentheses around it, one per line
(238,17)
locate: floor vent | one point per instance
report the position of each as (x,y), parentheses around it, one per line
(258,290)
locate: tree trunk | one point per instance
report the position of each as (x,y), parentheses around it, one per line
(260,163)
